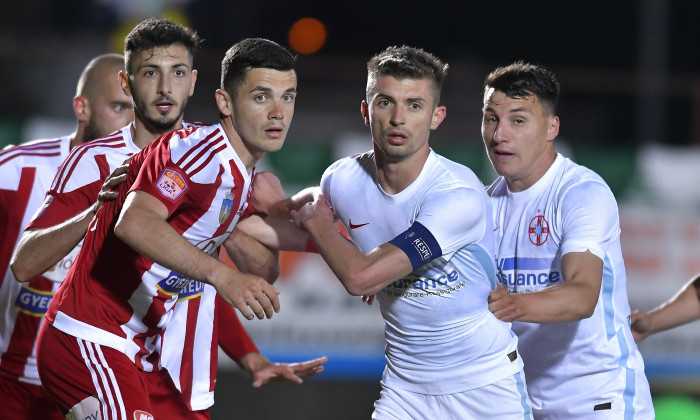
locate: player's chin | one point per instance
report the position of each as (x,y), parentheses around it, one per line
(272,145)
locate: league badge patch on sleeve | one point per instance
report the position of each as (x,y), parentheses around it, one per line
(171,184)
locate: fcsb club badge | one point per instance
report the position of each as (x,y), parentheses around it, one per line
(226,207)
(538,230)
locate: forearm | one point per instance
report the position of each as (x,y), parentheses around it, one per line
(274,232)
(40,249)
(561,303)
(572,300)
(355,269)
(253,362)
(151,236)
(251,256)
(684,307)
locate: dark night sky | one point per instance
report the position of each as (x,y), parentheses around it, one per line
(577,39)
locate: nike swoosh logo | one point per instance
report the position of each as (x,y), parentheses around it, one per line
(354,226)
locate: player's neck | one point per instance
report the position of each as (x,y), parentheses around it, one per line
(396,174)
(248,157)
(143,133)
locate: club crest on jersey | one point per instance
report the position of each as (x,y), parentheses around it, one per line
(538,230)
(226,207)
(142,415)
(171,184)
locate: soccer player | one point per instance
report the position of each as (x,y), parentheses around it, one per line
(558,258)
(182,196)
(682,308)
(100,108)
(422,224)
(160,78)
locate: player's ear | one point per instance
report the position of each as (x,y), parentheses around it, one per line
(224,102)
(364,110)
(124,82)
(439,115)
(194,80)
(81,107)
(553,130)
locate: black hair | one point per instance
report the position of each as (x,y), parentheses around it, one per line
(522,80)
(252,53)
(152,33)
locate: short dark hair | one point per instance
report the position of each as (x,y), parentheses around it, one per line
(522,80)
(407,63)
(153,33)
(252,53)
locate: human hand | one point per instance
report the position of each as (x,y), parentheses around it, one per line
(247,293)
(502,304)
(265,192)
(264,371)
(640,323)
(109,187)
(368,299)
(319,208)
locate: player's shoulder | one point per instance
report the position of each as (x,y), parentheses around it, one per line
(452,174)
(192,148)
(578,177)
(352,166)
(116,142)
(85,160)
(43,154)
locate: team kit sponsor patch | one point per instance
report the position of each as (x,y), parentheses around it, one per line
(171,184)
(32,301)
(173,284)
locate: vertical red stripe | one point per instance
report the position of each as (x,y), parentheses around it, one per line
(187,366)
(214,351)
(24,335)
(13,206)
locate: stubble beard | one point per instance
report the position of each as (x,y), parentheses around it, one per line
(91,131)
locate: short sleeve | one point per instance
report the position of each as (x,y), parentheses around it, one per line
(590,219)
(456,217)
(160,177)
(68,195)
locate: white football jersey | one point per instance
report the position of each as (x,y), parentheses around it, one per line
(572,368)
(440,336)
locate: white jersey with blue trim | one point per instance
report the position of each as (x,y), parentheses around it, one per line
(440,336)
(577,365)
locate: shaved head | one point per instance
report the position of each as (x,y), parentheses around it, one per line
(99,70)
(100,103)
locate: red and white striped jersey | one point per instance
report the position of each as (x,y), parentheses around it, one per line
(191,354)
(26,172)
(115,297)
(75,188)
(80,178)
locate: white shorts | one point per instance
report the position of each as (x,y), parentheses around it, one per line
(601,401)
(506,399)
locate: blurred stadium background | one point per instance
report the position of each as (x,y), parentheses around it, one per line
(630,110)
